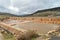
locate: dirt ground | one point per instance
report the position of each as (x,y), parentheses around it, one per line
(29,25)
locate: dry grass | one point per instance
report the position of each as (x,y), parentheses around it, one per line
(8,36)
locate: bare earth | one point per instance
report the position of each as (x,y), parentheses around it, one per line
(39,27)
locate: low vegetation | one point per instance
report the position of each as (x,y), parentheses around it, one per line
(8,36)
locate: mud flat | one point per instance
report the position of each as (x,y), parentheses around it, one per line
(40,28)
(29,25)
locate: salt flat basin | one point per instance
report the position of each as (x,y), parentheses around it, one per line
(39,27)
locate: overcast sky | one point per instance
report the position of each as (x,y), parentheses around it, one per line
(22,7)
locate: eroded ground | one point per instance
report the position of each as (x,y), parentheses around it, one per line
(29,25)
(40,28)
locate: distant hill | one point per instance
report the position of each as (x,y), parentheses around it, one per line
(47,12)
(6,14)
(39,13)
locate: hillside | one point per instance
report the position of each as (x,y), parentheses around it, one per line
(47,12)
(6,14)
(40,13)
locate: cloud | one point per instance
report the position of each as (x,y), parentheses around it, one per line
(13,8)
(23,7)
